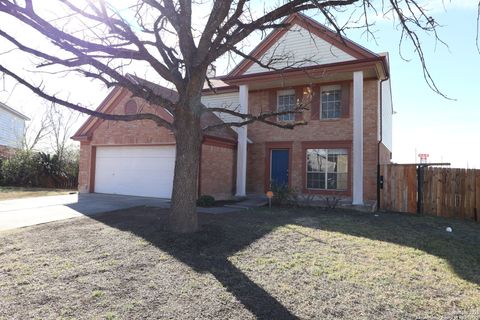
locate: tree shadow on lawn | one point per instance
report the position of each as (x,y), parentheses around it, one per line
(221,236)
(208,250)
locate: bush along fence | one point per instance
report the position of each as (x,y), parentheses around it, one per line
(420,188)
(32,169)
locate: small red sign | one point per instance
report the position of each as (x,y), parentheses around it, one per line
(423,157)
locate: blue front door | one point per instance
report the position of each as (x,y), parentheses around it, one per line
(279,167)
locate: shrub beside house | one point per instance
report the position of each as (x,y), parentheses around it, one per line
(38,169)
(22,168)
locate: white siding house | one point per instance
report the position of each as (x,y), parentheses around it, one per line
(12,127)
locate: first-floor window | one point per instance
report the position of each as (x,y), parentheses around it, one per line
(327,169)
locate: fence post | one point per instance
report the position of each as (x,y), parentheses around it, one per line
(420,179)
(477,196)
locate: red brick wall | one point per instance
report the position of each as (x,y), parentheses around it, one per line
(84,167)
(255,167)
(370,139)
(328,132)
(134,132)
(218,170)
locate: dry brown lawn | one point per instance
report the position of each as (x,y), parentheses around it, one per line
(285,264)
(8,193)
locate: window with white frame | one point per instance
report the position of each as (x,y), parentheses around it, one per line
(286,102)
(330,102)
(327,169)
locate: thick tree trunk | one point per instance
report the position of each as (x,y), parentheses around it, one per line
(188,136)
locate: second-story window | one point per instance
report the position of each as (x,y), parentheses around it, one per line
(286,102)
(330,102)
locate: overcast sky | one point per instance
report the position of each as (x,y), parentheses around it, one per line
(448,130)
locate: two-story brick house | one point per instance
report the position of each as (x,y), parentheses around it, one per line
(345,87)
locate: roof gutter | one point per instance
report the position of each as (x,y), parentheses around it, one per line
(344,64)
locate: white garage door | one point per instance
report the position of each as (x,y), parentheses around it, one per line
(137,171)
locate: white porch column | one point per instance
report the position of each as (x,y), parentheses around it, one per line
(358,138)
(242,145)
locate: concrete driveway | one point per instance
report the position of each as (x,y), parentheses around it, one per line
(31,211)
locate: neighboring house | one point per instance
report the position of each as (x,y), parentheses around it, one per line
(345,86)
(12,129)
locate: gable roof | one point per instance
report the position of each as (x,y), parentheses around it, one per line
(207,118)
(343,44)
(13,111)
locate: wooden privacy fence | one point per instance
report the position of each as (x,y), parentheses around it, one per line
(70,182)
(438,191)
(399,191)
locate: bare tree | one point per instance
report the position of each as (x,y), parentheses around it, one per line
(35,133)
(61,122)
(161,35)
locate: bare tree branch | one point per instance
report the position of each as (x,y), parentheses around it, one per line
(430,25)
(105,116)
(35,133)
(242,30)
(477,41)
(265,117)
(60,123)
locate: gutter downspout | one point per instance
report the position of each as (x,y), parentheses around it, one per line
(379,142)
